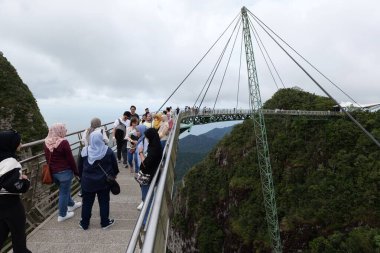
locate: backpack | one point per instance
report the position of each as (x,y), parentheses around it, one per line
(121,126)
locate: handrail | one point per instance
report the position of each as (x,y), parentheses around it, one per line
(147,236)
(40,200)
(157,204)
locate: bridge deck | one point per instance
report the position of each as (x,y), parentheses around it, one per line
(67,236)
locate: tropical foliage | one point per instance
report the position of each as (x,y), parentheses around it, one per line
(18,107)
(326,174)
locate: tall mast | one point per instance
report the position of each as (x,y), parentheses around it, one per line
(261,139)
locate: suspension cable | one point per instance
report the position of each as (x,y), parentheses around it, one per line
(327,94)
(295,51)
(191,71)
(258,39)
(208,78)
(224,50)
(262,53)
(228,63)
(241,51)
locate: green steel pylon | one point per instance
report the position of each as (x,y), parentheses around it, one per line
(261,139)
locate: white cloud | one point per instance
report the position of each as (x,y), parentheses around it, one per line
(101,57)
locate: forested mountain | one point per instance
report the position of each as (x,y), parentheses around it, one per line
(18,107)
(326,175)
(193,148)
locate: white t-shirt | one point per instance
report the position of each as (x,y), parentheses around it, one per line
(130,131)
(125,122)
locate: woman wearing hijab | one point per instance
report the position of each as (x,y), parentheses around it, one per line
(150,161)
(95,125)
(12,184)
(62,166)
(141,143)
(97,160)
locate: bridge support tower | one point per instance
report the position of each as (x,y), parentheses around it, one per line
(261,139)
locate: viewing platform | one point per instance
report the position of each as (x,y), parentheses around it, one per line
(67,236)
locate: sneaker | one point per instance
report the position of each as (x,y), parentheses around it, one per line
(68,216)
(82,227)
(110,223)
(75,206)
(139,207)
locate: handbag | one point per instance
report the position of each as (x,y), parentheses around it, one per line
(142,179)
(111,181)
(46,173)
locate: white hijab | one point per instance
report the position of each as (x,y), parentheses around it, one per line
(96,150)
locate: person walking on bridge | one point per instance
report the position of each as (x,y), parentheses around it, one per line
(97,160)
(62,165)
(12,184)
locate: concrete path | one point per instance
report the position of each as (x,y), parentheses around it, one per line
(53,236)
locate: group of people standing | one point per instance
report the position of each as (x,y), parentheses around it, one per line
(140,141)
(134,136)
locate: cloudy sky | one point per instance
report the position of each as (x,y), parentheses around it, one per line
(95,58)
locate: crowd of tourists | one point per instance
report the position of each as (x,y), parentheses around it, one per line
(140,141)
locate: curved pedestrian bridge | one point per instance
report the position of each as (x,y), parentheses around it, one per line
(127,234)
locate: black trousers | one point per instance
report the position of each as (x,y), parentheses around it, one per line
(88,199)
(119,136)
(12,219)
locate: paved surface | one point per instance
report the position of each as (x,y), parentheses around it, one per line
(67,236)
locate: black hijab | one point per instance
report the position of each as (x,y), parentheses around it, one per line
(9,141)
(154,156)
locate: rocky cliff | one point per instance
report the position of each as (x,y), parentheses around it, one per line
(18,107)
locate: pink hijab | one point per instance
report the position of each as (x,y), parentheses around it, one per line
(56,135)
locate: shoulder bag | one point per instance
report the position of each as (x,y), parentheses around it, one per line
(46,173)
(111,181)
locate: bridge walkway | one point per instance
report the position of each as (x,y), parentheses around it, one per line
(53,236)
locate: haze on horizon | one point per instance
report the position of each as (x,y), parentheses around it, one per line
(95,58)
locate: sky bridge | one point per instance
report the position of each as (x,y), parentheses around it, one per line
(128,234)
(46,234)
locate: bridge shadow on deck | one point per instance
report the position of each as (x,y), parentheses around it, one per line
(53,236)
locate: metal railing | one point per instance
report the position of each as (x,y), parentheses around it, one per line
(41,200)
(153,236)
(205,116)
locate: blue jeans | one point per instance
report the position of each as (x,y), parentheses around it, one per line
(132,156)
(88,199)
(63,181)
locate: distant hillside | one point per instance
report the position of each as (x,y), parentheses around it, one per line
(193,148)
(326,176)
(18,107)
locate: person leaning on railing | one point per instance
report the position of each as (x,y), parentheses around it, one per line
(149,164)
(12,184)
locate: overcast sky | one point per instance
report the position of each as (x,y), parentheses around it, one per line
(92,58)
